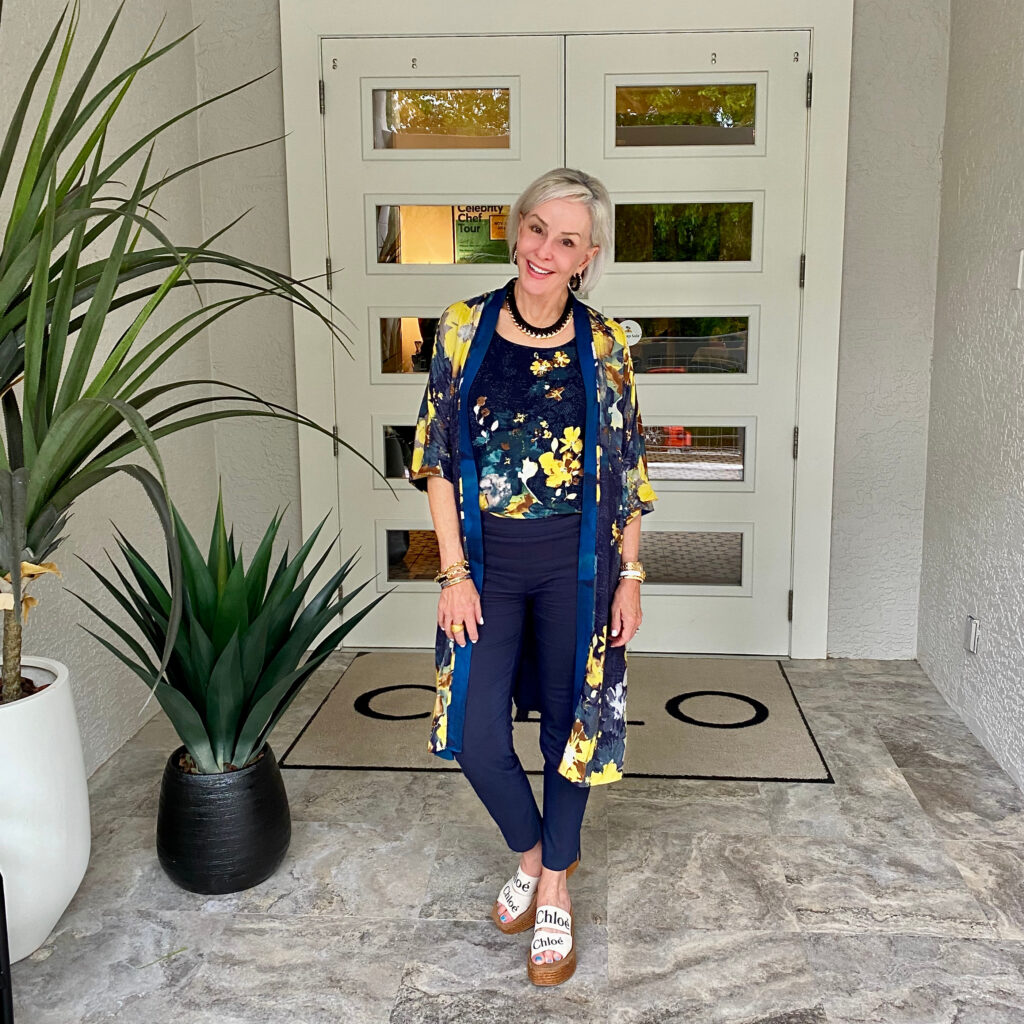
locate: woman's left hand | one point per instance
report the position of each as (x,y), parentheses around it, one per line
(626,614)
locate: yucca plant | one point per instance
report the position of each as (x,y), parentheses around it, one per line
(65,431)
(235,666)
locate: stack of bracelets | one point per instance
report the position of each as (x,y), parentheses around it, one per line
(632,571)
(457,572)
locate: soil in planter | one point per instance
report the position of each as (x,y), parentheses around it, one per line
(188,766)
(28,688)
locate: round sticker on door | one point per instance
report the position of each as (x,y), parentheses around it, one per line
(633,331)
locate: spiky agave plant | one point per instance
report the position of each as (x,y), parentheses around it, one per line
(64,431)
(235,666)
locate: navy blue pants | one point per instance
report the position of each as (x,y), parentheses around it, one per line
(530,570)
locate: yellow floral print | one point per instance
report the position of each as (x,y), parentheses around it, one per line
(558,472)
(571,440)
(560,358)
(595,750)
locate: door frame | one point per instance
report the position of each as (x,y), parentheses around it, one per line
(305,22)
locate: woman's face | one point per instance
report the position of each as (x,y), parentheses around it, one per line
(553,244)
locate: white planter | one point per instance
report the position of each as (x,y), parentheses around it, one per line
(44,806)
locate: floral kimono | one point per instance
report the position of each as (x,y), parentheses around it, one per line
(615,490)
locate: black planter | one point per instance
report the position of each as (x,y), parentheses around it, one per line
(222,833)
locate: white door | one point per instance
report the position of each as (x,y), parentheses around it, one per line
(700,138)
(701,141)
(427,141)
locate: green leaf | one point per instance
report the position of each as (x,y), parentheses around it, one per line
(256,576)
(13,136)
(225,698)
(200,586)
(232,618)
(217,561)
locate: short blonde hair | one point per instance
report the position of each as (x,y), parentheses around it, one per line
(567,183)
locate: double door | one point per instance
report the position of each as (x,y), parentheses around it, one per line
(700,139)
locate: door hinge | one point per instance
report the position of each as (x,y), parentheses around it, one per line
(809,78)
(789,613)
(322,104)
(334,439)
(803,267)
(330,278)
(796,441)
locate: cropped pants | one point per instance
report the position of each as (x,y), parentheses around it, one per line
(530,572)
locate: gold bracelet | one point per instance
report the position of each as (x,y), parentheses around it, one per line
(451,583)
(632,571)
(443,574)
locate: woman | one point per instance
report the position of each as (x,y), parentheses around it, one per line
(531,444)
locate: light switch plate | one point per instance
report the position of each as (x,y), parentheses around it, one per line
(971,631)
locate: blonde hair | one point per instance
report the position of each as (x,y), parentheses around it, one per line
(567,183)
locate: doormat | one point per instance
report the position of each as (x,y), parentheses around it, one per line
(688,718)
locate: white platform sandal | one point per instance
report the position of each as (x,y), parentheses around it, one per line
(519,897)
(553,930)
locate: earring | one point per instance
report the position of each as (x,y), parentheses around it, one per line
(514,253)
(575,282)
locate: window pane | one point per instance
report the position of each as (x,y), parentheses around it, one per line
(694,453)
(412,555)
(690,344)
(685,115)
(406,343)
(696,558)
(441,234)
(683,232)
(398,444)
(440,119)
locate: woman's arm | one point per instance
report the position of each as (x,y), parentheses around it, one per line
(441,497)
(626,613)
(458,604)
(631,540)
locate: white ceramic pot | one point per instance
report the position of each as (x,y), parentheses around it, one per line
(44,806)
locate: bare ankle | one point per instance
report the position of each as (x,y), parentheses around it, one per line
(530,861)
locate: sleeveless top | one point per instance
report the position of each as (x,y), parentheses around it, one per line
(527,415)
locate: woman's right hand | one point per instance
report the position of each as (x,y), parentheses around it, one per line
(458,605)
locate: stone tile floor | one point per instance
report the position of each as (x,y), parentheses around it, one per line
(891,897)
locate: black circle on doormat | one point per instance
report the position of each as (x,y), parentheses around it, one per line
(672,706)
(363,701)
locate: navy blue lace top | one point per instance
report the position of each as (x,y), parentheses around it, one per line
(527,416)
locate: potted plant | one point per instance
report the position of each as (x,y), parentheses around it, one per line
(76,400)
(223,823)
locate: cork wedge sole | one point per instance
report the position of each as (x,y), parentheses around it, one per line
(557,972)
(526,918)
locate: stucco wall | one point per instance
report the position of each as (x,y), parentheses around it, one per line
(108,697)
(897,106)
(974,512)
(255,347)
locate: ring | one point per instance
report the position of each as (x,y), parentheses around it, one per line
(457,627)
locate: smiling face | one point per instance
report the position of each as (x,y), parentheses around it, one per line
(553,244)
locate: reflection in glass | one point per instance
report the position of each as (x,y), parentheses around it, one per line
(412,555)
(706,558)
(406,343)
(441,234)
(690,344)
(398,444)
(683,232)
(694,453)
(685,115)
(441,119)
